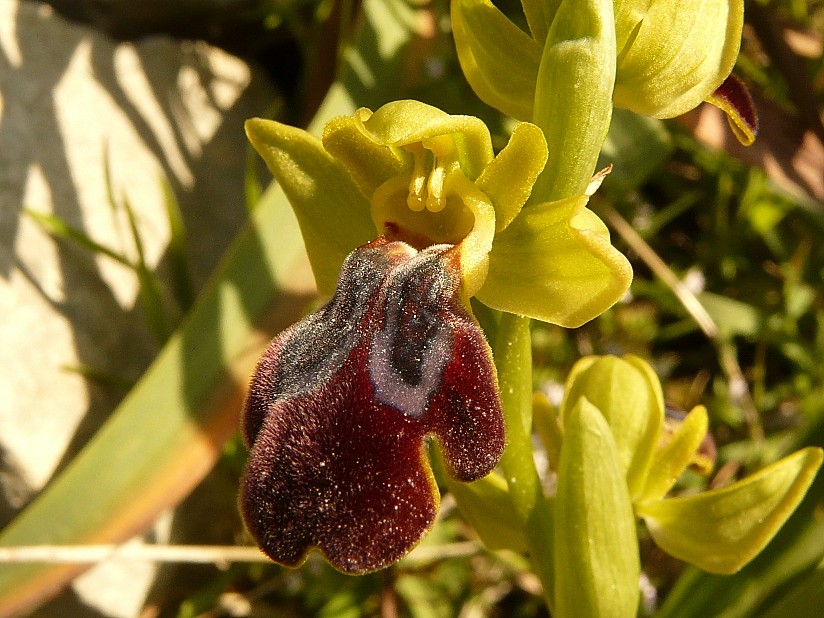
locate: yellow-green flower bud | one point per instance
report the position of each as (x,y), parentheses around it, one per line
(673,54)
(628,394)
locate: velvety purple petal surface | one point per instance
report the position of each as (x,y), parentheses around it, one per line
(341,405)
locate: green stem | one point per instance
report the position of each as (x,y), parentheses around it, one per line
(573,95)
(513,358)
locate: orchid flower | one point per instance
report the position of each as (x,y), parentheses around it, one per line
(618,462)
(668,55)
(412,213)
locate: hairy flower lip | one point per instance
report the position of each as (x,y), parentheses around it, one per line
(342,404)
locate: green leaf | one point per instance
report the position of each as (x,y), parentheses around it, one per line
(60,229)
(596,549)
(733,317)
(804,599)
(149,294)
(722,530)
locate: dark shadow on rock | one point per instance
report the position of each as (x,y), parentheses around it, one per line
(24,144)
(107,337)
(238,26)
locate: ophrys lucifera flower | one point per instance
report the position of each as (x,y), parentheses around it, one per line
(413,214)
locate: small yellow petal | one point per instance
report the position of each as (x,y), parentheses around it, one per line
(674,456)
(508,179)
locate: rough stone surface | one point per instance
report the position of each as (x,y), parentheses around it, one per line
(73,103)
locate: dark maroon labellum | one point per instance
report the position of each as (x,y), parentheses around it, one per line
(733,97)
(341,404)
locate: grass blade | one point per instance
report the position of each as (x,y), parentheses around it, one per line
(168,432)
(56,227)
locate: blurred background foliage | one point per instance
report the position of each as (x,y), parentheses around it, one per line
(740,237)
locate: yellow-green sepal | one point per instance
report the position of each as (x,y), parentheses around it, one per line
(673,457)
(574,273)
(628,394)
(672,54)
(723,529)
(334,215)
(596,548)
(500,61)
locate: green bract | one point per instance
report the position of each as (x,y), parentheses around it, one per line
(596,549)
(666,56)
(718,530)
(411,172)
